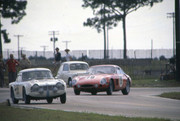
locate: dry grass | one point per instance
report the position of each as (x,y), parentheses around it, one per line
(9,113)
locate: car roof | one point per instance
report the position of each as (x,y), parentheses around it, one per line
(71,62)
(105,65)
(34,69)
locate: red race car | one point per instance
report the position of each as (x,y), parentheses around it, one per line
(101,78)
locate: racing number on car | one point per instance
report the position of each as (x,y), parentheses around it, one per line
(120,81)
(17,89)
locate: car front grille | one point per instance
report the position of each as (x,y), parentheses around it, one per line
(48,87)
(87,86)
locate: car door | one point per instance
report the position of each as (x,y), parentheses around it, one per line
(60,72)
(17,89)
(65,72)
(120,74)
(21,85)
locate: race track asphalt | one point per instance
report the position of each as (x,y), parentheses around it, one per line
(141,102)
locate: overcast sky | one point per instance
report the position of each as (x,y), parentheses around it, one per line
(67,17)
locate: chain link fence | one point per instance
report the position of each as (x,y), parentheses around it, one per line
(98,54)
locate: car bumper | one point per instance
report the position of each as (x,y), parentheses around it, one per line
(46,94)
(91,88)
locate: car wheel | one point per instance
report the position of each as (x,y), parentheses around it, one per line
(63,98)
(49,100)
(14,100)
(76,92)
(94,93)
(110,88)
(26,98)
(126,90)
(70,82)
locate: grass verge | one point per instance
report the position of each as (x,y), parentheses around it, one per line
(172,95)
(155,83)
(9,113)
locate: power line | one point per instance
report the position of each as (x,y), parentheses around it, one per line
(66,43)
(54,39)
(18,37)
(44,49)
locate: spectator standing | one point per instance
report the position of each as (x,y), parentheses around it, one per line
(68,56)
(57,56)
(2,70)
(12,72)
(57,60)
(25,63)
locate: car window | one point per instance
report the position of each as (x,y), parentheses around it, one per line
(78,66)
(120,71)
(27,76)
(102,69)
(65,67)
(60,69)
(19,78)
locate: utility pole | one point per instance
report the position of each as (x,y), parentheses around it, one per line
(177,26)
(7,53)
(151,49)
(53,38)
(135,54)
(44,49)
(22,48)
(172,15)
(18,36)
(66,43)
(107,42)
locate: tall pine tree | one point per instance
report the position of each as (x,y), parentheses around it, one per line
(113,12)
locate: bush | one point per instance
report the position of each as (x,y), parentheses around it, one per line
(162,57)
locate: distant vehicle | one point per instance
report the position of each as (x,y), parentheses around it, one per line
(101,78)
(68,70)
(37,84)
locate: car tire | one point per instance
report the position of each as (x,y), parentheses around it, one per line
(26,98)
(110,88)
(49,100)
(76,92)
(14,100)
(126,90)
(63,98)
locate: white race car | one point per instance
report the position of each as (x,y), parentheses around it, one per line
(37,84)
(68,70)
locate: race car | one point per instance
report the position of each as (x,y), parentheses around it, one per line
(101,78)
(37,84)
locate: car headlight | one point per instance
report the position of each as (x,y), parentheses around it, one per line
(60,86)
(103,81)
(74,82)
(35,88)
(96,85)
(78,86)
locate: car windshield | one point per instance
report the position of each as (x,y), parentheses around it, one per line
(78,66)
(102,70)
(26,76)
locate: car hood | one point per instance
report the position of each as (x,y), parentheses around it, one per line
(92,79)
(45,81)
(78,71)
